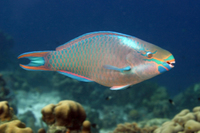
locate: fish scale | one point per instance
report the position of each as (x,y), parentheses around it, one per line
(89,49)
(108,58)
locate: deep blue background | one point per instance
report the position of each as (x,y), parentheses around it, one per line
(173,25)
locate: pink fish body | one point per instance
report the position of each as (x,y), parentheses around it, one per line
(109,58)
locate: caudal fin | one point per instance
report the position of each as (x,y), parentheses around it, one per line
(37,60)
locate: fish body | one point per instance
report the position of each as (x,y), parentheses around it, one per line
(109,58)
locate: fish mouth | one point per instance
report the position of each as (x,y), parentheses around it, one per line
(171,63)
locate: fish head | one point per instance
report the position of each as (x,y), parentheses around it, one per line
(149,60)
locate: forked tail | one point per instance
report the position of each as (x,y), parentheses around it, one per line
(37,60)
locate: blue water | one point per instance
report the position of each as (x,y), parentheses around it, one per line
(172,25)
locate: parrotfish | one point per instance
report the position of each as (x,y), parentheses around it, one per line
(109,58)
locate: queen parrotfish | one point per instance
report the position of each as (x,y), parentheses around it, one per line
(109,58)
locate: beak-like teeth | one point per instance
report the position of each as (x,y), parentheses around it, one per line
(171,64)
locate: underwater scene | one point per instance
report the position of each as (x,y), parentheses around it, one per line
(83,66)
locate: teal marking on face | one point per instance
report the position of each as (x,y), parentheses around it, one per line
(161,69)
(169,58)
(166,65)
(154,60)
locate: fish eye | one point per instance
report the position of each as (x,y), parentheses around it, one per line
(149,54)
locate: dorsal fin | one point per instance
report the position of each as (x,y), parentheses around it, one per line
(87,35)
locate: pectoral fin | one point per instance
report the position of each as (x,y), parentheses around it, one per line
(128,68)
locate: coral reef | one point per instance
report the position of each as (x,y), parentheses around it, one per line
(142,98)
(30,101)
(169,127)
(30,120)
(6,112)
(183,122)
(66,116)
(6,93)
(15,126)
(86,127)
(41,130)
(133,128)
(9,122)
(141,102)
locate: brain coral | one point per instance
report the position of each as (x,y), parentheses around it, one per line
(6,112)
(183,122)
(8,122)
(15,126)
(66,115)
